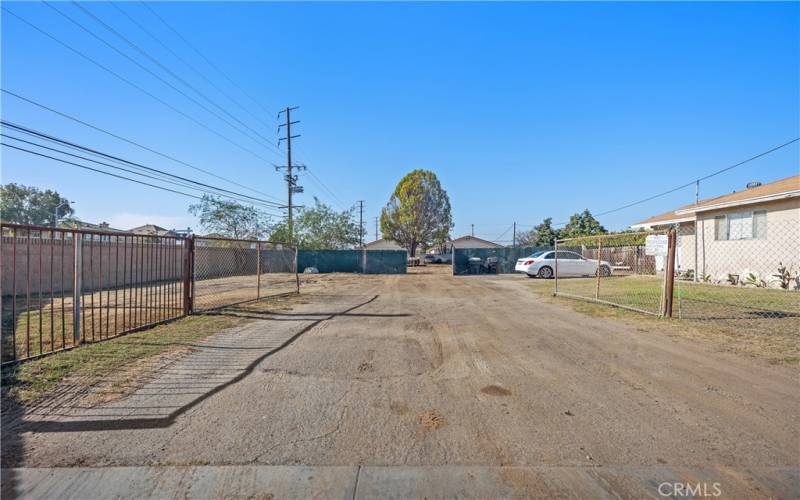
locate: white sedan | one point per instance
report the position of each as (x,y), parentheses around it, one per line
(543,264)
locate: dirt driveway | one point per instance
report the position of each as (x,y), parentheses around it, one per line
(430,369)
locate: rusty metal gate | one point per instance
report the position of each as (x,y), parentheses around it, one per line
(64,287)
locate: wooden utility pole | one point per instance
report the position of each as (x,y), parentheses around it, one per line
(473,230)
(377,236)
(514,237)
(669,278)
(361,222)
(291,180)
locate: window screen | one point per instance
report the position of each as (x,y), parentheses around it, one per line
(760,224)
(720,228)
(740,226)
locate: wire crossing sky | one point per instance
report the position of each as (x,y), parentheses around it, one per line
(523,110)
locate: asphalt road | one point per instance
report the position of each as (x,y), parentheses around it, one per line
(429,369)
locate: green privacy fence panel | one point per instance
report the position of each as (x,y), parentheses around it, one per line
(329,261)
(507,257)
(353,261)
(386,262)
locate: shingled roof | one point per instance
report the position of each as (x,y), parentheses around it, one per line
(787,187)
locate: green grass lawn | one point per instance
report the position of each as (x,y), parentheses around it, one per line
(760,321)
(645,292)
(640,292)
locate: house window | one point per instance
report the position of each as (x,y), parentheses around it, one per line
(741,226)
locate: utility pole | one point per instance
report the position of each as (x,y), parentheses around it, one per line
(514,238)
(473,230)
(695,276)
(361,222)
(377,237)
(291,180)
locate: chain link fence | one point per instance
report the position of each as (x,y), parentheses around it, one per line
(747,274)
(64,287)
(727,273)
(228,272)
(614,269)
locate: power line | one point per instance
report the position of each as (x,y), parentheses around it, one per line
(172,178)
(315,178)
(319,182)
(138,165)
(722,170)
(148,70)
(207,60)
(134,143)
(83,158)
(504,233)
(291,179)
(274,147)
(137,87)
(258,136)
(188,64)
(100,171)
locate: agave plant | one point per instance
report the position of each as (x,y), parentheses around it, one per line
(785,276)
(752,279)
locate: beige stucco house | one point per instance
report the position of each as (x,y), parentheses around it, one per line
(382,244)
(747,232)
(471,242)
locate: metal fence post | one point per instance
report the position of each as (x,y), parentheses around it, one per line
(258,270)
(296,272)
(597,287)
(555,289)
(77,266)
(188,276)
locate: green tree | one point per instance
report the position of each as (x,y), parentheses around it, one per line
(418,213)
(582,224)
(29,205)
(546,235)
(231,219)
(320,228)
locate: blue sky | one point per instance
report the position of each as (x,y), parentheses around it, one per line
(523,110)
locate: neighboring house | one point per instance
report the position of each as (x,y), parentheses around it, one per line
(103,227)
(153,230)
(79,224)
(470,242)
(382,244)
(750,231)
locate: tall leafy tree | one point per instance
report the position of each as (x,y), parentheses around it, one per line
(30,205)
(230,219)
(320,228)
(582,224)
(546,234)
(418,212)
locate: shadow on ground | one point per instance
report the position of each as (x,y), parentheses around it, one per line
(169,391)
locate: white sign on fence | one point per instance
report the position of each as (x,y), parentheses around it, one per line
(656,244)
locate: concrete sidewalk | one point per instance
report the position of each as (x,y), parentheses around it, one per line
(344,482)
